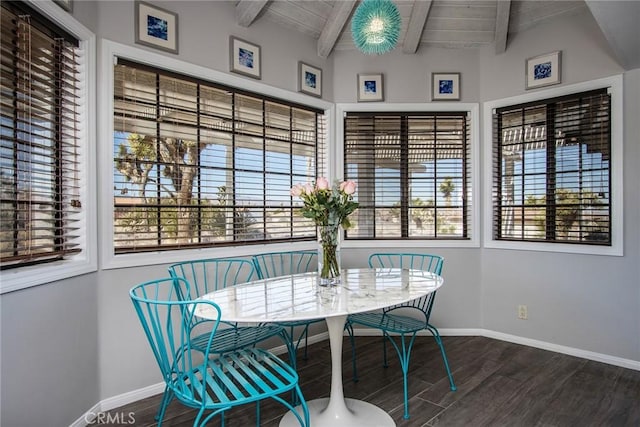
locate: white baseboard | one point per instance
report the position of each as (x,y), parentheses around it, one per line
(370,332)
(135,395)
(110,403)
(88,417)
(584,354)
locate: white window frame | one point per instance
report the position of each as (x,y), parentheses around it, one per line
(615,87)
(337,165)
(86,261)
(110,52)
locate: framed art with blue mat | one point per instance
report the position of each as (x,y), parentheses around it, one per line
(244,58)
(445,86)
(370,87)
(309,79)
(543,70)
(156,27)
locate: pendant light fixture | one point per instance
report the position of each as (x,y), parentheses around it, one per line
(375,26)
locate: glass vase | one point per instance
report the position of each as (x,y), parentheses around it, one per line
(328,255)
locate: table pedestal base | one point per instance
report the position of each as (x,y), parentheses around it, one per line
(337,411)
(358,414)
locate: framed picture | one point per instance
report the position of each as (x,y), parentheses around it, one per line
(65,4)
(156,27)
(543,70)
(445,86)
(309,79)
(244,58)
(370,87)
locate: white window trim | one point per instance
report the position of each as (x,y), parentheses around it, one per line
(109,52)
(615,85)
(86,261)
(474,111)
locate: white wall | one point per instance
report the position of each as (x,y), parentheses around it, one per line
(48,333)
(69,344)
(585,56)
(406,77)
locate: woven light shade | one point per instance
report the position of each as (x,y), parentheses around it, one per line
(375,26)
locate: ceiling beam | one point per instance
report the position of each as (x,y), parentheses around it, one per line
(417,21)
(333,27)
(502,25)
(247,11)
(620,26)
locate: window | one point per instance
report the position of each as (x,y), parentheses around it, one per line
(552,170)
(198,164)
(42,209)
(413,174)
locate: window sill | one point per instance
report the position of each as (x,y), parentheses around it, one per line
(26,277)
(399,243)
(614,250)
(171,257)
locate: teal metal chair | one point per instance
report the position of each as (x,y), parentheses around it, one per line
(197,380)
(405,320)
(273,264)
(209,275)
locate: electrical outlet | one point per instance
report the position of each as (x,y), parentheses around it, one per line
(522,312)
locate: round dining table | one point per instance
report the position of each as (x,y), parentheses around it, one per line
(300,297)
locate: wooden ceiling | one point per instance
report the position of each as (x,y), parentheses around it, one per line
(444,23)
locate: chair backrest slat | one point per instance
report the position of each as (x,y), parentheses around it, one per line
(169,323)
(425,262)
(208,275)
(273,264)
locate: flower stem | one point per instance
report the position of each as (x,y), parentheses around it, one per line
(330,268)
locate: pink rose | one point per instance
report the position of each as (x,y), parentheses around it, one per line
(296,190)
(307,189)
(348,187)
(322,183)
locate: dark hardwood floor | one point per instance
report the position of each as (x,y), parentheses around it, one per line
(499,384)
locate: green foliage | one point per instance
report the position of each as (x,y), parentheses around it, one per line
(326,206)
(569,205)
(178,158)
(447,187)
(421,211)
(144,219)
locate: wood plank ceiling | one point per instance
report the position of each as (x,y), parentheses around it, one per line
(440,23)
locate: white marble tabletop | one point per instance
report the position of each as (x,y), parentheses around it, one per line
(298,297)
